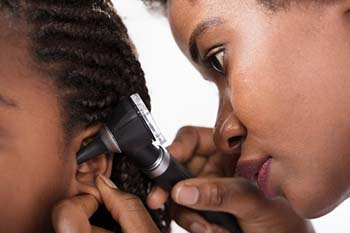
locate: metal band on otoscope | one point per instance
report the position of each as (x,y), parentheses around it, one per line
(109,140)
(160,165)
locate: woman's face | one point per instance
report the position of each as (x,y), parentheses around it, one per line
(284,82)
(36,170)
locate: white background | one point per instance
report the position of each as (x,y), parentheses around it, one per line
(179,95)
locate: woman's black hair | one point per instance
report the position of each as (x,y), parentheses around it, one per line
(84,47)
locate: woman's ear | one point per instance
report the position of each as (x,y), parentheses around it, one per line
(87,172)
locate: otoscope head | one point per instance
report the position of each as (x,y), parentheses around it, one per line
(148,118)
(92,150)
(130,129)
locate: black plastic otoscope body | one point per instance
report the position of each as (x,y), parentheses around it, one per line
(131,130)
(175,173)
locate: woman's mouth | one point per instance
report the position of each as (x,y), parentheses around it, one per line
(258,172)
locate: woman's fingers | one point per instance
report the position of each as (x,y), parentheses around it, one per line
(214,168)
(232,195)
(190,141)
(157,197)
(72,215)
(243,199)
(126,209)
(193,146)
(96,229)
(193,222)
(219,165)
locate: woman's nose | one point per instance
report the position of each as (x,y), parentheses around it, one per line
(229,133)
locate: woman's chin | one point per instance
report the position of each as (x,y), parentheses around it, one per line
(312,209)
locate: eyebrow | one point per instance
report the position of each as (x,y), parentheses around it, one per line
(199,29)
(7,102)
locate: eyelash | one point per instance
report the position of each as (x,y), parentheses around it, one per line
(211,60)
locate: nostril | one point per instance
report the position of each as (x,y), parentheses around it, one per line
(234,141)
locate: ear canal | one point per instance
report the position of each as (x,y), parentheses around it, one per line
(86,141)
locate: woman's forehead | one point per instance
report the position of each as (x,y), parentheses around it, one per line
(185,15)
(189,18)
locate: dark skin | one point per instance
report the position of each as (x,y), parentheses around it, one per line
(283,81)
(42,187)
(49,156)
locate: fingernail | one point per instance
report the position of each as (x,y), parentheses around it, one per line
(187,195)
(108,182)
(197,227)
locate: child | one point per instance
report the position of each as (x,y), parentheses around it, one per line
(63,67)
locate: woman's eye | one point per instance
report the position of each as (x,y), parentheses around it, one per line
(217,61)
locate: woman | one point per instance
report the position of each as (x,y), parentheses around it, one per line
(282,71)
(63,66)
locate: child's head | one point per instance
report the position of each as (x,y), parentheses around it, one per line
(63,66)
(282,70)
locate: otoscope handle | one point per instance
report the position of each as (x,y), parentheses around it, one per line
(175,173)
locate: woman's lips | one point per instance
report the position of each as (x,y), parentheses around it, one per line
(257,171)
(263,179)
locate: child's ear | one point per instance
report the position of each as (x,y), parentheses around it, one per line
(87,172)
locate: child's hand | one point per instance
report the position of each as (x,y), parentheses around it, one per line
(195,147)
(72,215)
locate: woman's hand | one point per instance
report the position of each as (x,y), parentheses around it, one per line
(237,196)
(194,147)
(72,215)
(255,213)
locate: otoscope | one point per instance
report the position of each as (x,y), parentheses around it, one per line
(130,129)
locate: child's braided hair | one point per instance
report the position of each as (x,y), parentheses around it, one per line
(84,47)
